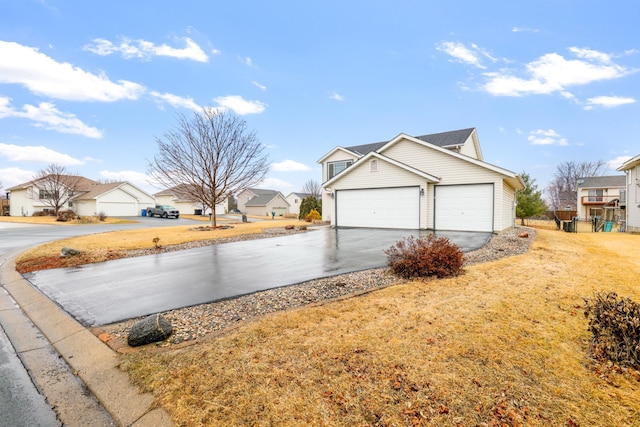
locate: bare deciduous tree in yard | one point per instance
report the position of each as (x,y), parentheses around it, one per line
(56,186)
(312,187)
(562,190)
(210,156)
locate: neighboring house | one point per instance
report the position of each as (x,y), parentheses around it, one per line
(30,197)
(179,198)
(294,200)
(631,168)
(597,194)
(255,201)
(113,199)
(437,182)
(91,198)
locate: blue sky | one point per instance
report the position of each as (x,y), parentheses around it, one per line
(91,85)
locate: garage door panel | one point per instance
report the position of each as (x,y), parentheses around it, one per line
(379,208)
(119,209)
(464,207)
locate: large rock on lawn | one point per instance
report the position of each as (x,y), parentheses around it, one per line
(149,330)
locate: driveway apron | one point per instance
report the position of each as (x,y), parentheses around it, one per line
(99,294)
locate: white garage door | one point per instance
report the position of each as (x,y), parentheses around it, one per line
(119,209)
(464,207)
(379,208)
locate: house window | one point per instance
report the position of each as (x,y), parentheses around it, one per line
(47,194)
(373,165)
(595,195)
(336,167)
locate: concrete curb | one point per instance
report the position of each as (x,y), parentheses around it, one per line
(26,308)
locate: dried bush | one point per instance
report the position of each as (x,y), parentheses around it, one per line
(101,216)
(68,215)
(615,325)
(40,213)
(425,256)
(314,215)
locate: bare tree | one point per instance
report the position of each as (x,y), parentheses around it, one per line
(312,187)
(56,186)
(562,190)
(210,156)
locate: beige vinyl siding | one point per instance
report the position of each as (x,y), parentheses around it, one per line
(338,156)
(633,199)
(451,170)
(469,148)
(386,176)
(508,207)
(20,203)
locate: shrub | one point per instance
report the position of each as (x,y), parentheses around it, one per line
(615,325)
(101,216)
(40,213)
(68,215)
(308,204)
(425,256)
(314,215)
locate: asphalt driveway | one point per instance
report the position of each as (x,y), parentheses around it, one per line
(113,291)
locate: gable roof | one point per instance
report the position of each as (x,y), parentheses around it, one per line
(454,138)
(84,184)
(634,161)
(602,181)
(180,192)
(511,177)
(263,197)
(300,195)
(101,189)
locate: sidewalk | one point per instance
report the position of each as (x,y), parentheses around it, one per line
(42,333)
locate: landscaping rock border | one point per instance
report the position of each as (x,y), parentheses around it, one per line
(191,324)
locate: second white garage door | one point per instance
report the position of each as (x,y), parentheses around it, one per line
(379,208)
(464,207)
(119,209)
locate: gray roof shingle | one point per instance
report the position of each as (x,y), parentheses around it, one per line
(442,139)
(602,181)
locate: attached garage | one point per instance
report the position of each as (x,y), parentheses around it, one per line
(397,207)
(120,209)
(464,207)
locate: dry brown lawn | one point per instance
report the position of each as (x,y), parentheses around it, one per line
(110,245)
(505,344)
(51,220)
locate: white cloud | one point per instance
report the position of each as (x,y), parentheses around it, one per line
(37,154)
(48,116)
(336,96)
(289,166)
(552,73)
(145,49)
(608,102)
(524,30)
(614,164)
(10,177)
(44,76)
(239,105)
(177,101)
(246,60)
(546,137)
(468,55)
(259,86)
(276,184)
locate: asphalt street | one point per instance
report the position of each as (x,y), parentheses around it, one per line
(113,291)
(22,402)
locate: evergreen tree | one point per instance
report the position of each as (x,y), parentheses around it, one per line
(529,200)
(308,204)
